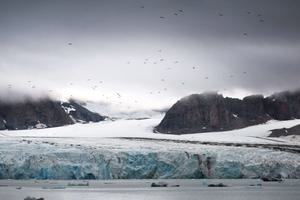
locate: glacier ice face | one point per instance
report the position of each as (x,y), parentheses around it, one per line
(40,160)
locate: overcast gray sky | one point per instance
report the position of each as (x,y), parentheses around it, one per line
(148,53)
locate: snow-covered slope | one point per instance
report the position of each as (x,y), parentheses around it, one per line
(144,129)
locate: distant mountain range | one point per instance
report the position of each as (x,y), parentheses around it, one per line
(196,113)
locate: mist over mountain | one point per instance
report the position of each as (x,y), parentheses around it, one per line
(43,113)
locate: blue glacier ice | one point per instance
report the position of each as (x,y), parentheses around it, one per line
(40,160)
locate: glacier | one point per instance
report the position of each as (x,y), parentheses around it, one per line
(117,158)
(128,149)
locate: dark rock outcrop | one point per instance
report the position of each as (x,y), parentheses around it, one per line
(283,105)
(295,130)
(29,114)
(43,113)
(212,112)
(2,123)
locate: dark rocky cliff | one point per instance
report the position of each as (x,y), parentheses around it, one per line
(283,105)
(212,112)
(41,114)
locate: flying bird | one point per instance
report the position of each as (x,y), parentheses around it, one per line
(70,43)
(180,11)
(94,87)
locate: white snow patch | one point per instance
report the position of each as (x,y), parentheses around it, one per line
(40,126)
(68,109)
(235,115)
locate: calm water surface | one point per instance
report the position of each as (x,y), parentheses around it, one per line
(140,189)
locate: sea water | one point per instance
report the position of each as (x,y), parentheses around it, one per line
(241,189)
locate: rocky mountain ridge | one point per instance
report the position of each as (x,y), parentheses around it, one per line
(209,112)
(43,113)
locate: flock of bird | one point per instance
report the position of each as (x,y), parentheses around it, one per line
(97,84)
(259,17)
